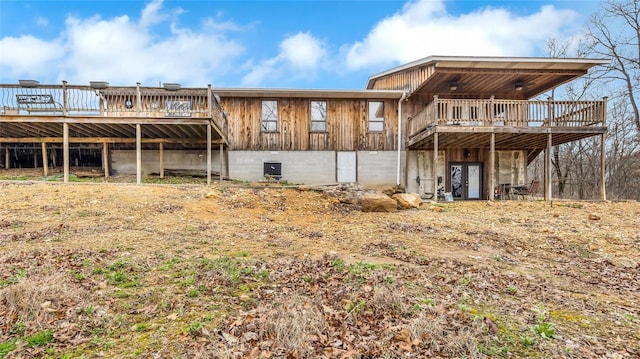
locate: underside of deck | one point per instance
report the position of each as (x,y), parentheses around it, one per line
(533,139)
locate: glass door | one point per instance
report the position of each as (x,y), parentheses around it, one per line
(465,180)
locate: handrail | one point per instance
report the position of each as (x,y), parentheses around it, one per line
(134,101)
(513,113)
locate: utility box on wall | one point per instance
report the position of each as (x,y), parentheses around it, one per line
(273,170)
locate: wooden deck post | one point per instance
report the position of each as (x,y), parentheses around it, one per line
(547,169)
(492,166)
(138,99)
(161,155)
(208,153)
(221,162)
(603,146)
(65,99)
(65,151)
(7,158)
(105,159)
(209,102)
(603,190)
(45,160)
(138,154)
(435,167)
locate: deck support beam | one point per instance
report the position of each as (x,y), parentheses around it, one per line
(208,153)
(603,190)
(7,158)
(65,151)
(492,166)
(547,169)
(105,159)
(45,160)
(434,168)
(138,154)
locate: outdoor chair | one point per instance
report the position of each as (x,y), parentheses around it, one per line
(531,190)
(502,191)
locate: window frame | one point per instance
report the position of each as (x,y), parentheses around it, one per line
(312,121)
(264,127)
(375,120)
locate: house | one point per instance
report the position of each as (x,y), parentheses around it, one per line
(462,125)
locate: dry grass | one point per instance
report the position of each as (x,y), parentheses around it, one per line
(231,272)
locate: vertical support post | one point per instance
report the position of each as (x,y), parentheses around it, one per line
(7,158)
(208,152)
(435,166)
(161,160)
(65,99)
(603,146)
(550,113)
(138,99)
(45,160)
(221,162)
(492,166)
(547,168)
(436,118)
(603,190)
(65,151)
(105,159)
(492,111)
(209,101)
(138,154)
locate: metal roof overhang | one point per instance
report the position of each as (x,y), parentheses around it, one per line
(483,77)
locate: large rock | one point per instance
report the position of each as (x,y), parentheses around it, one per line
(407,200)
(376,202)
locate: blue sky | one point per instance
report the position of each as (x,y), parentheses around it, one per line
(279,44)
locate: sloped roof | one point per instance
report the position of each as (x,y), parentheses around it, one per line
(541,73)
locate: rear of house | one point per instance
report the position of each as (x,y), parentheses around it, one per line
(462,125)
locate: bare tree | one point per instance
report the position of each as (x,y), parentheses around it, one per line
(614,32)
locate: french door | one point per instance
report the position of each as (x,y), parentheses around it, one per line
(465,179)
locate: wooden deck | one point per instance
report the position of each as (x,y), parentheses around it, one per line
(516,124)
(122,117)
(110,115)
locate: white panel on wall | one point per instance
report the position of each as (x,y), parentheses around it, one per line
(346,166)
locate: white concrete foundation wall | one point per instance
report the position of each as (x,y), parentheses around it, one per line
(379,167)
(412,171)
(124,161)
(307,167)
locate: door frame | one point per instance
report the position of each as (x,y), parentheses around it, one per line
(465,178)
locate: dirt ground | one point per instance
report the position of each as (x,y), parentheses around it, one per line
(230,270)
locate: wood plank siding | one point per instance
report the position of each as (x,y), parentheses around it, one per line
(346,125)
(408,80)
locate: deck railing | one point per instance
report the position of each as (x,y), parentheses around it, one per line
(514,113)
(135,101)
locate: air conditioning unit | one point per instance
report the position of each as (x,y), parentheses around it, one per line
(273,170)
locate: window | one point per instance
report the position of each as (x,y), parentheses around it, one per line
(269,115)
(376,116)
(318,116)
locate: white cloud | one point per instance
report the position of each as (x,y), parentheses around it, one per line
(123,51)
(302,51)
(28,57)
(300,57)
(424,27)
